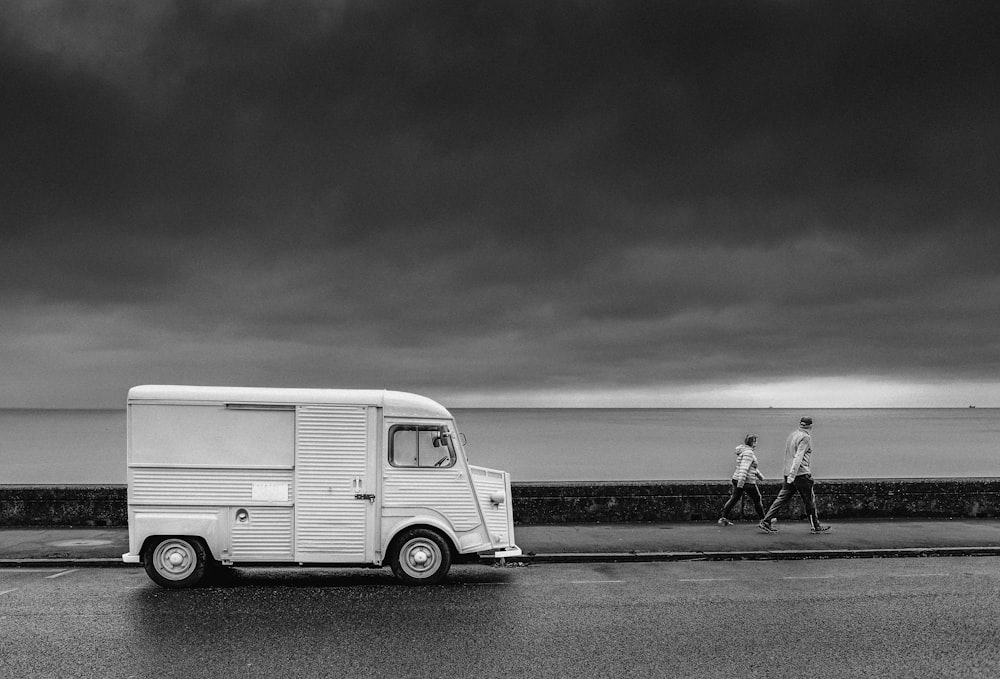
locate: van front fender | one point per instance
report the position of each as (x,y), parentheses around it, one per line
(422,522)
(467,542)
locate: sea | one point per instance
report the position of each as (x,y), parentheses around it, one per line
(588,444)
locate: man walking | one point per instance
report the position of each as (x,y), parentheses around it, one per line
(798,478)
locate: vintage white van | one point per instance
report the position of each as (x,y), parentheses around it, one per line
(224,476)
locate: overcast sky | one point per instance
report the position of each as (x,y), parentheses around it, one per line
(503,203)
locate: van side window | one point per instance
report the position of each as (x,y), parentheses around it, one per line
(413,445)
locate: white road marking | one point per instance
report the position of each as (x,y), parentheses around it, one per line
(60,574)
(7,591)
(920,575)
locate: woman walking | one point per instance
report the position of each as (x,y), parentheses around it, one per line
(744,480)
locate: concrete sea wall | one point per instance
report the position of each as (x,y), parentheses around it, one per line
(651,501)
(77,505)
(587,502)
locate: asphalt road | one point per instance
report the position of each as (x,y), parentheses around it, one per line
(932,617)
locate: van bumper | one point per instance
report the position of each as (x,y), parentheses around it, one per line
(129,557)
(507,553)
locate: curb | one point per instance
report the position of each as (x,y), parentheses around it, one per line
(768,555)
(65,563)
(612,557)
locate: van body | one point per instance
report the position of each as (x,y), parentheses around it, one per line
(227,476)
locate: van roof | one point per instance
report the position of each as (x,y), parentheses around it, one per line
(394,403)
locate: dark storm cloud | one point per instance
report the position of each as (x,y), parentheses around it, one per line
(541,195)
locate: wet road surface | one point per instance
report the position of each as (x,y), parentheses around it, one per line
(932,617)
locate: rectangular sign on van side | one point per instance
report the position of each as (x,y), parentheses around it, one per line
(269,492)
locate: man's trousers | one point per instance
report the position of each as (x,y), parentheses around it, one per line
(803,485)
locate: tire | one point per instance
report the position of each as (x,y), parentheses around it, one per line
(420,557)
(175,562)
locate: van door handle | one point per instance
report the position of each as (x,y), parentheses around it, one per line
(365,496)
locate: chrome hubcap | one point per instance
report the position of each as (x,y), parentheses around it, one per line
(174,559)
(421,558)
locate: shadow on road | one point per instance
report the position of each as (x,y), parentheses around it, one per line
(326,578)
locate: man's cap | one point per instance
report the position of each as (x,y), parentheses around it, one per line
(806,422)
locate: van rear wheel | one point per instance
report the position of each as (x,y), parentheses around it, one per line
(421,557)
(175,562)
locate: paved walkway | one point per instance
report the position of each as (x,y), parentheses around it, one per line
(606,542)
(704,540)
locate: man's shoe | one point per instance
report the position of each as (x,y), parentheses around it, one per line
(819,529)
(725,522)
(766,527)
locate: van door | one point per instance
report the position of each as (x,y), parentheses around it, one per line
(334,484)
(424,476)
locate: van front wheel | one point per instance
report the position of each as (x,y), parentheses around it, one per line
(421,557)
(175,562)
